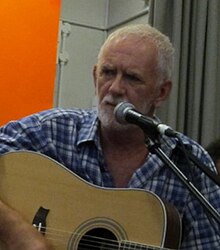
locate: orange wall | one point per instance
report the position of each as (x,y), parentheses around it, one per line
(28,48)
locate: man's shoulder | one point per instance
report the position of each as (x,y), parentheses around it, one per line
(194,148)
(62,114)
(189,142)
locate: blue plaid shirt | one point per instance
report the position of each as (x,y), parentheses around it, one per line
(71,137)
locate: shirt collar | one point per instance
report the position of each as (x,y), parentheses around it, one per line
(88,131)
(168,144)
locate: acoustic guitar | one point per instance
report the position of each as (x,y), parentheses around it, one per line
(74,214)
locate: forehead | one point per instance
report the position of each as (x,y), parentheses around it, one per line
(130,51)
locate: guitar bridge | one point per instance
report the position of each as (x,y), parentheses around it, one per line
(39,220)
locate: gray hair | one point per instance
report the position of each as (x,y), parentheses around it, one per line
(146,32)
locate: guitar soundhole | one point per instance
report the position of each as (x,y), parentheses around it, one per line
(98,239)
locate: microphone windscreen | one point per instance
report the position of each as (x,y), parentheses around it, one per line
(121,110)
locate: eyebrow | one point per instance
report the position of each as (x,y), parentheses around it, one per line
(134,73)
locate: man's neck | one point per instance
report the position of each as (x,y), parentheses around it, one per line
(130,138)
(124,153)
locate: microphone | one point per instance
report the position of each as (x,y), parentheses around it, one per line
(125,113)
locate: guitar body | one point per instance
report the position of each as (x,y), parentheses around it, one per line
(78,215)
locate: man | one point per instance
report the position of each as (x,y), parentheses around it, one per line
(214,151)
(16,233)
(134,65)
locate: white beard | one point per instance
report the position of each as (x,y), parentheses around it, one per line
(107,117)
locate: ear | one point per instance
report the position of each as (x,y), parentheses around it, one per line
(94,74)
(163,93)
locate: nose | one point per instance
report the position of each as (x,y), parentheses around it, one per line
(117,86)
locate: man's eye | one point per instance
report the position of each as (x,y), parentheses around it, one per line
(108,72)
(132,78)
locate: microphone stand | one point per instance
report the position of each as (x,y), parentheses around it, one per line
(155,149)
(213,176)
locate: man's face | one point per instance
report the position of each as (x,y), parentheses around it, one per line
(126,72)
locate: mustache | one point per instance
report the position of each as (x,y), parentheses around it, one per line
(113,100)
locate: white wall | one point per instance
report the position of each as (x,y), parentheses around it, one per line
(84,26)
(126,11)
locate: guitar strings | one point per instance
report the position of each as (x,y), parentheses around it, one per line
(88,240)
(62,237)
